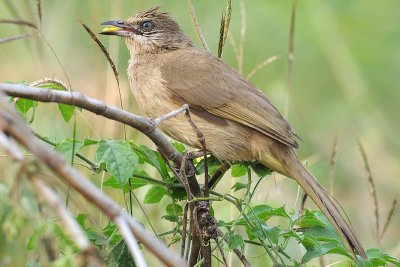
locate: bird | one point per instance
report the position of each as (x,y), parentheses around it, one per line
(239,123)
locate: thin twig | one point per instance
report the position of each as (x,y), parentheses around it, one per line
(18,22)
(290,57)
(15,37)
(261,65)
(372,189)
(197,25)
(242,35)
(332,162)
(172,114)
(184,230)
(39,12)
(389,217)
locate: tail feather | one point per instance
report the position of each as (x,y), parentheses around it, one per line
(325,203)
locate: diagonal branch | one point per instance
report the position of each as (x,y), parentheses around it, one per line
(13,126)
(140,123)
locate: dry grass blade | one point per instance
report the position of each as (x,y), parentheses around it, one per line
(290,57)
(242,35)
(197,25)
(18,22)
(103,49)
(332,162)
(15,37)
(389,217)
(261,65)
(224,29)
(39,12)
(372,189)
(221,36)
(110,60)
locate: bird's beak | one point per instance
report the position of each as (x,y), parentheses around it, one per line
(118,27)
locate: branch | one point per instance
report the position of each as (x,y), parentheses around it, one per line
(13,126)
(143,124)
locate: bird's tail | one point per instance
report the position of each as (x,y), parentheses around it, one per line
(325,203)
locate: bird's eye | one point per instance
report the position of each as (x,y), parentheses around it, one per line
(147,26)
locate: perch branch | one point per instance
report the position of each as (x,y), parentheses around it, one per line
(13,126)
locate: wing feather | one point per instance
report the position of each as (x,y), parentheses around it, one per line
(205,82)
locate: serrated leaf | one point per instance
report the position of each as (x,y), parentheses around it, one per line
(235,241)
(120,256)
(119,158)
(154,194)
(174,209)
(111,232)
(309,219)
(153,158)
(237,186)
(265,212)
(378,258)
(325,248)
(264,231)
(238,170)
(66,146)
(134,183)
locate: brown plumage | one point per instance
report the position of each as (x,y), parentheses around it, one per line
(239,123)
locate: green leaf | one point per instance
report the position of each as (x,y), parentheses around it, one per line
(170,217)
(154,194)
(260,169)
(309,219)
(174,209)
(237,186)
(35,237)
(66,110)
(179,146)
(235,241)
(66,146)
(120,256)
(264,231)
(33,263)
(265,212)
(379,258)
(238,170)
(112,234)
(325,232)
(133,183)
(81,218)
(325,248)
(153,158)
(119,158)
(212,162)
(24,105)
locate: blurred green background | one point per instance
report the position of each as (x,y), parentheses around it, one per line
(345,81)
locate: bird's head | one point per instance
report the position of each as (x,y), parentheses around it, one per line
(149,31)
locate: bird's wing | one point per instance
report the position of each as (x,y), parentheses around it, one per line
(205,82)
